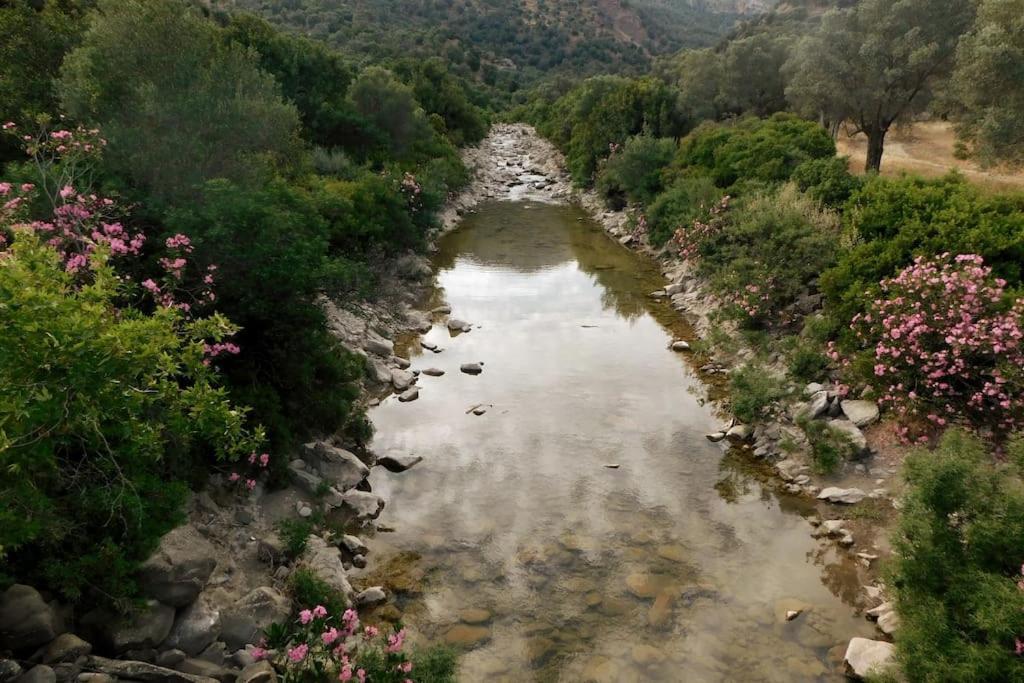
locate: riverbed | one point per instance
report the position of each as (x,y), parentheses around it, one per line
(570,521)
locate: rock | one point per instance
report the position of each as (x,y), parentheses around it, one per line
(39,674)
(341,467)
(26,621)
(260,672)
(834,494)
(354,544)
(409,395)
(479,410)
(246,621)
(271,549)
(399,463)
(371,596)
(864,657)
(442,310)
(433,372)
(195,628)
(474,615)
(359,561)
(303,509)
(325,561)
(661,611)
(170,658)
(67,647)
(680,346)
(145,627)
(877,612)
(813,388)
(673,289)
(860,413)
(9,670)
(601,670)
(815,407)
(179,569)
(715,437)
(466,636)
(647,655)
(646,586)
(380,347)
(363,505)
(739,433)
(889,623)
(852,433)
(471,368)
(215,653)
(205,670)
(305,480)
(402,363)
(402,379)
(429,346)
(456,325)
(140,671)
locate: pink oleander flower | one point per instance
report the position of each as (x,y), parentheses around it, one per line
(235,476)
(250,484)
(371,631)
(346,673)
(264,460)
(298,653)
(361,675)
(258,653)
(319,611)
(329,636)
(305,616)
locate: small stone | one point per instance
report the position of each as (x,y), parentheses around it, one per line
(474,615)
(433,372)
(402,363)
(680,346)
(456,325)
(170,658)
(647,655)
(409,395)
(402,379)
(612,465)
(429,346)
(739,433)
(471,368)
(380,347)
(354,544)
(442,310)
(479,410)
(464,635)
(371,596)
(359,561)
(793,614)
(661,611)
(715,437)
(860,413)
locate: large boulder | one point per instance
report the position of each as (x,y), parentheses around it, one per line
(67,647)
(834,494)
(194,629)
(815,407)
(325,561)
(852,433)
(179,569)
(26,621)
(141,671)
(860,413)
(380,346)
(341,467)
(362,505)
(402,379)
(246,621)
(864,657)
(143,628)
(39,674)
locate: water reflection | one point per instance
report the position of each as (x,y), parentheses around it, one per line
(513,539)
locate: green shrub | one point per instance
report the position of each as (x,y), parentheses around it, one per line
(634,172)
(807,359)
(770,250)
(753,391)
(308,590)
(689,199)
(828,180)
(751,149)
(956,565)
(295,534)
(829,446)
(104,414)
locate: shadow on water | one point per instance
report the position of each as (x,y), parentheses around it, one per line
(515,543)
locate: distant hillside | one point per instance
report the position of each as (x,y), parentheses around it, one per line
(510,42)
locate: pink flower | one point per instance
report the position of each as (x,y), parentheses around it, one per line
(258,653)
(346,673)
(319,611)
(264,460)
(305,616)
(405,667)
(371,631)
(250,484)
(67,191)
(298,653)
(361,675)
(234,476)
(329,636)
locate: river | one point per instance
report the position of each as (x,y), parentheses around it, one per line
(515,541)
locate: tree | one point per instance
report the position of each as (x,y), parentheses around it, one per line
(753,80)
(391,108)
(876,63)
(989,82)
(179,105)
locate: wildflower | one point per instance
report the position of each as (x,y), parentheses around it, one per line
(305,616)
(258,653)
(329,636)
(319,611)
(298,653)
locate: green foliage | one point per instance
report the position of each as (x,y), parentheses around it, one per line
(689,199)
(635,171)
(270,246)
(956,565)
(807,359)
(442,94)
(396,122)
(104,411)
(753,391)
(829,446)
(897,219)
(751,149)
(157,65)
(827,179)
(295,534)
(308,590)
(769,252)
(605,111)
(990,86)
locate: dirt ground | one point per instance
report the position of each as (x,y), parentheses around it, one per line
(926,149)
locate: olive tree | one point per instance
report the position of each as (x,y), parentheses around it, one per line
(876,64)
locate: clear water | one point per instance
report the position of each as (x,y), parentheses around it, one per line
(514,542)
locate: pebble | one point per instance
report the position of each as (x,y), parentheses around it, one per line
(471,368)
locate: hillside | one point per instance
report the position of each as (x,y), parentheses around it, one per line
(510,43)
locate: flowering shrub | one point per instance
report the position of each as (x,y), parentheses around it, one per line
(688,239)
(319,646)
(944,346)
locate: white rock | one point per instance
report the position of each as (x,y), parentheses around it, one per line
(851,432)
(739,433)
(814,408)
(860,413)
(680,346)
(456,325)
(371,596)
(834,494)
(864,657)
(402,379)
(715,437)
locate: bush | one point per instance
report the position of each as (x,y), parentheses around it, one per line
(827,180)
(956,569)
(767,150)
(104,414)
(690,199)
(943,346)
(897,219)
(829,446)
(295,535)
(769,251)
(753,391)
(634,172)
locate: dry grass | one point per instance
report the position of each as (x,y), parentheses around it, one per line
(926,149)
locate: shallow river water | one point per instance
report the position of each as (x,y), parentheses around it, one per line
(514,542)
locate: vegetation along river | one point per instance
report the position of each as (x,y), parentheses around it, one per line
(517,544)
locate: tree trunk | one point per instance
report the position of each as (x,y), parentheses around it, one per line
(876,145)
